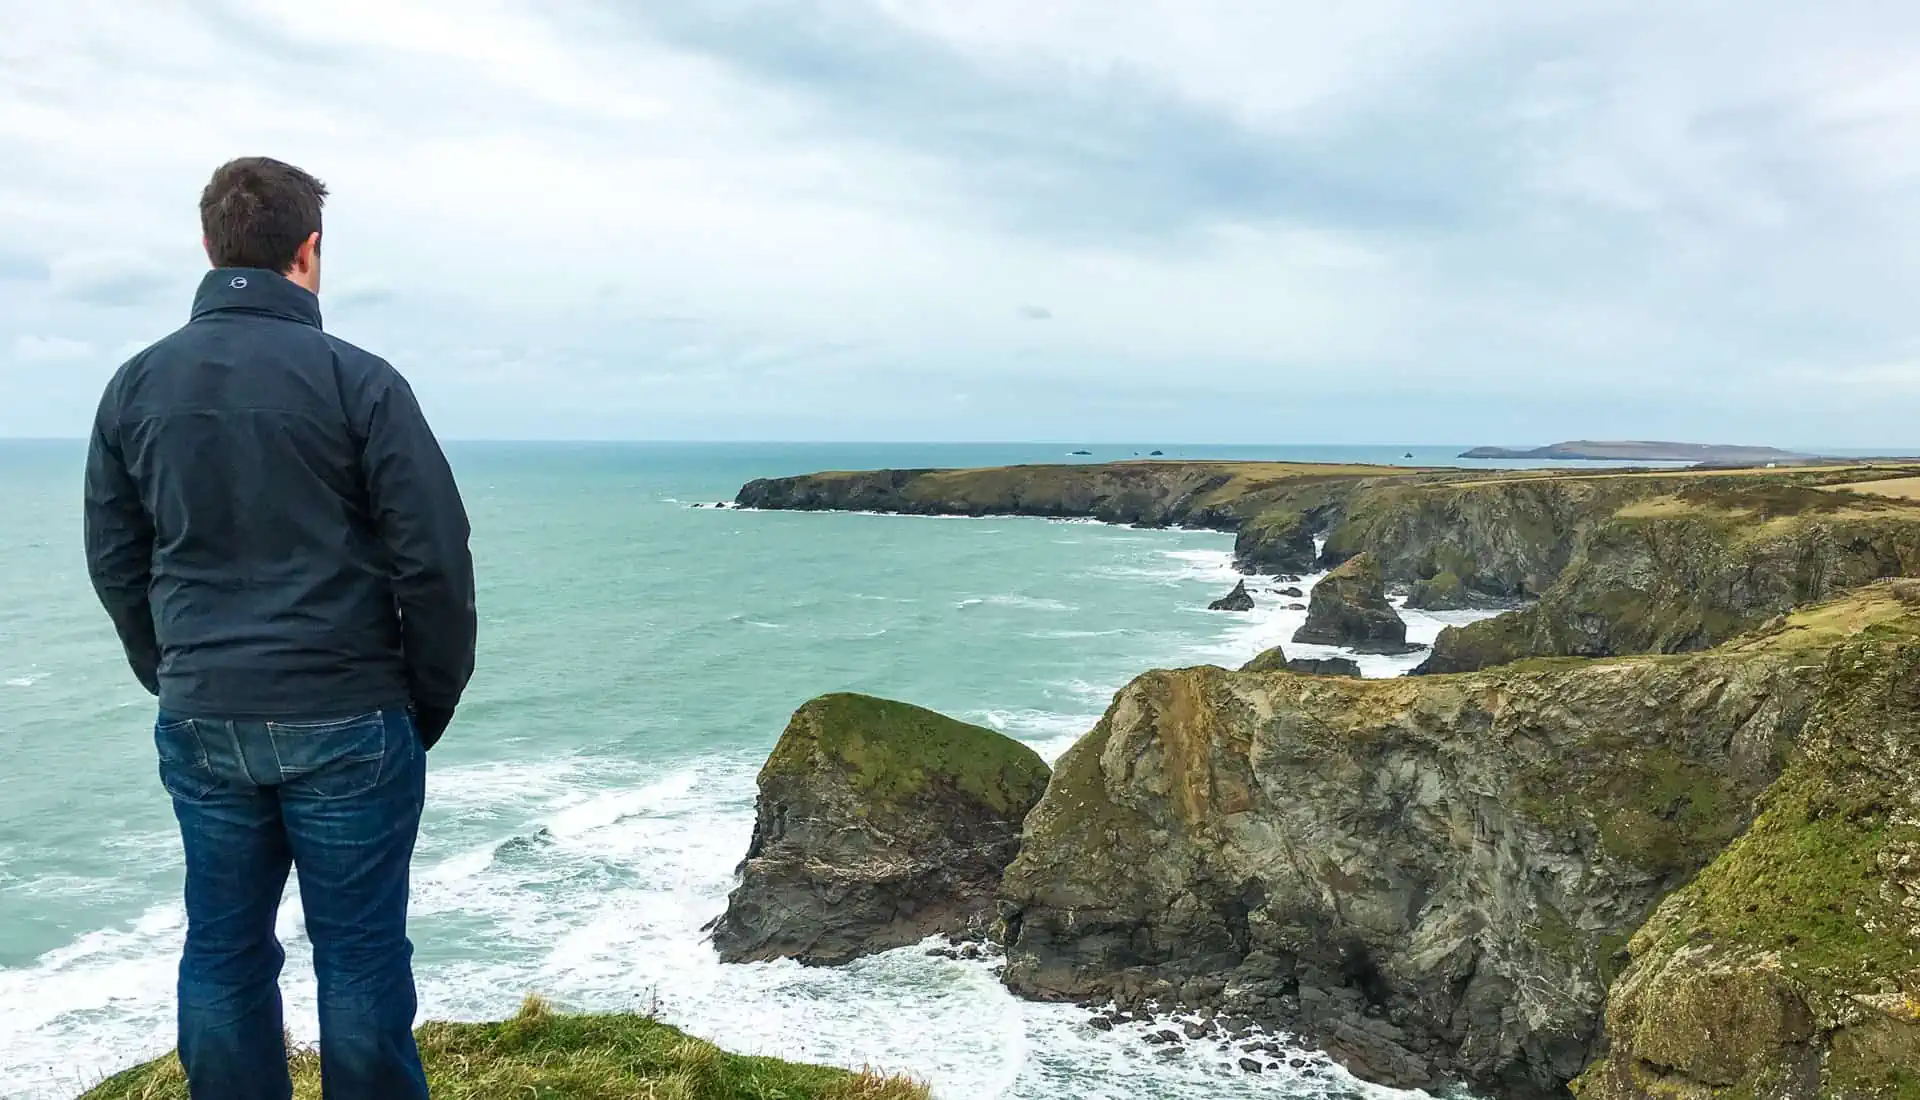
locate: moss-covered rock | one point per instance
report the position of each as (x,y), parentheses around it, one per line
(1791,966)
(1279,541)
(878,824)
(1434,877)
(1349,608)
(1444,591)
(545,1054)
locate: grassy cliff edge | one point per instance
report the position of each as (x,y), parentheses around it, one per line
(541,1053)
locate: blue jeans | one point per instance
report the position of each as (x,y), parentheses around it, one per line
(341,801)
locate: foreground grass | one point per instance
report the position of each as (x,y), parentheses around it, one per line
(543,1055)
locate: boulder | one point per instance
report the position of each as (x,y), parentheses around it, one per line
(1323,666)
(1276,660)
(1236,600)
(1349,608)
(1441,592)
(877,825)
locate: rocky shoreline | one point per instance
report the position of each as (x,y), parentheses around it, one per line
(1509,874)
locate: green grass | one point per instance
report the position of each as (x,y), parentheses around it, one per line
(892,750)
(543,1055)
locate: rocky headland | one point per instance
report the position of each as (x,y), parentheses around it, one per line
(1654,835)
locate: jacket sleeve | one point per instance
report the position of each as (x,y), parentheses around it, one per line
(119,536)
(423,523)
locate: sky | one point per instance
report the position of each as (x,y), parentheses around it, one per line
(1485,221)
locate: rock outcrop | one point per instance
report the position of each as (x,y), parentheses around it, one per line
(1236,600)
(1434,878)
(1443,592)
(1279,541)
(1790,968)
(1276,660)
(1690,570)
(1349,608)
(877,824)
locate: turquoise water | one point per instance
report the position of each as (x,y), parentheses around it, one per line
(639,657)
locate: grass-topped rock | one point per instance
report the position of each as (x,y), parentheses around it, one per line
(540,1053)
(1790,967)
(878,824)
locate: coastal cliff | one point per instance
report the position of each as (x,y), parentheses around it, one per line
(1790,967)
(1690,569)
(1433,878)
(1276,507)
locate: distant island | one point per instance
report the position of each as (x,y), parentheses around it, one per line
(1717,454)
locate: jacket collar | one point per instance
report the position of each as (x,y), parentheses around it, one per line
(258,291)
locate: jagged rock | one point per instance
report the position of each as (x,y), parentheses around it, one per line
(1431,878)
(1236,600)
(1272,660)
(1443,592)
(1349,608)
(1250,1065)
(1790,967)
(1276,660)
(877,825)
(1292,591)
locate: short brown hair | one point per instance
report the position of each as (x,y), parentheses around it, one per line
(256,212)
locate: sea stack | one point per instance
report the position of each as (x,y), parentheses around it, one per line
(877,825)
(1236,600)
(1349,608)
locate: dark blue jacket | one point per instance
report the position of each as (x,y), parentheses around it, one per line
(270,522)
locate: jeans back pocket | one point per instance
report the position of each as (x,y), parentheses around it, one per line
(337,758)
(184,769)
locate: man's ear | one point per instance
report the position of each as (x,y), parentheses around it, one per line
(308,254)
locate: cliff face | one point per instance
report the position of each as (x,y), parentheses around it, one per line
(1505,537)
(1433,878)
(877,825)
(1790,967)
(1276,507)
(1692,569)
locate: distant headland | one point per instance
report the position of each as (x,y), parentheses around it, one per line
(1718,454)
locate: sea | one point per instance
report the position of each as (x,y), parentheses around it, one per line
(641,650)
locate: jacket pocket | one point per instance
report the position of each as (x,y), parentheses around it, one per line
(344,758)
(184,770)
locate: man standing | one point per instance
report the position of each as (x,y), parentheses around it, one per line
(279,541)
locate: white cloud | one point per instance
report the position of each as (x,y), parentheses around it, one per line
(50,350)
(1248,220)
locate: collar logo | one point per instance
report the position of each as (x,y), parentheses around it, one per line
(239,282)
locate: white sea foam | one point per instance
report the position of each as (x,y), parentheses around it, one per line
(28,680)
(590,878)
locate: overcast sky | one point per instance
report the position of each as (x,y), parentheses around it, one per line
(1191,220)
